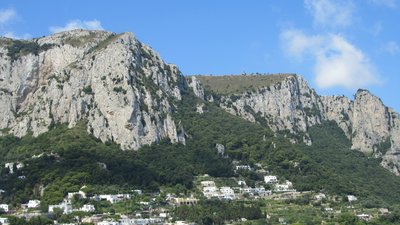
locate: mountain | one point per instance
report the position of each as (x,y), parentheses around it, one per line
(119,85)
(285,102)
(71,101)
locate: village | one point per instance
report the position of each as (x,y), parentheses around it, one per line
(157,208)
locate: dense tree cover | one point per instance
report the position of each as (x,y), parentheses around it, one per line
(218,212)
(75,159)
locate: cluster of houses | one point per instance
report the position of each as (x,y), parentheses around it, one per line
(66,206)
(210,190)
(287,186)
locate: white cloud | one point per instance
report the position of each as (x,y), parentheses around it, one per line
(331,13)
(78,24)
(6,15)
(387,3)
(391,47)
(297,43)
(337,62)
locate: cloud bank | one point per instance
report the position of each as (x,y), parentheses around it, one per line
(329,13)
(7,15)
(78,24)
(337,63)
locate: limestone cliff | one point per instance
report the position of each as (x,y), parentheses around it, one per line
(120,86)
(287,103)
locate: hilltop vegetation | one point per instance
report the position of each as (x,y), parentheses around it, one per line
(227,85)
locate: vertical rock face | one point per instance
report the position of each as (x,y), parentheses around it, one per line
(289,104)
(371,122)
(118,85)
(286,105)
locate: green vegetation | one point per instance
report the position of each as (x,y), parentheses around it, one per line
(217,212)
(88,90)
(74,159)
(19,48)
(80,41)
(227,85)
(103,44)
(120,89)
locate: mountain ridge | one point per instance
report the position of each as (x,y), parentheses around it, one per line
(119,85)
(127,94)
(292,105)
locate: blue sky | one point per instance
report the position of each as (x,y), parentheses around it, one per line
(337,45)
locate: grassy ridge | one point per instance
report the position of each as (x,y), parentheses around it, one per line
(226,85)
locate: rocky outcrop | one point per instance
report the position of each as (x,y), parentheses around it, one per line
(120,86)
(195,85)
(289,104)
(286,105)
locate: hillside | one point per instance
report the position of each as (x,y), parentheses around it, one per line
(327,165)
(289,104)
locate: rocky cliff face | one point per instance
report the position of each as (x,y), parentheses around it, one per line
(120,86)
(289,104)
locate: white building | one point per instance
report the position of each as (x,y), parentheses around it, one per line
(242,183)
(243,167)
(4,221)
(351,198)
(364,217)
(112,198)
(4,207)
(33,203)
(227,193)
(270,179)
(80,193)
(10,166)
(87,208)
(210,191)
(65,206)
(208,183)
(320,196)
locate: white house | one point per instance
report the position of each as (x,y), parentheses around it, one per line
(270,179)
(227,193)
(207,183)
(87,208)
(364,217)
(320,196)
(4,207)
(65,206)
(351,198)
(10,166)
(4,221)
(242,183)
(243,167)
(33,203)
(79,193)
(210,191)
